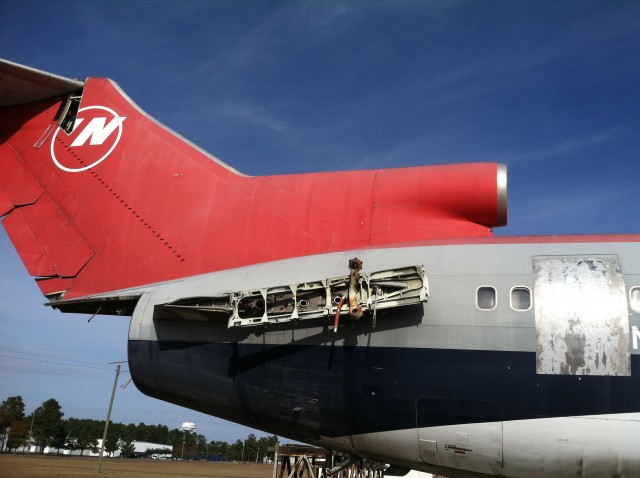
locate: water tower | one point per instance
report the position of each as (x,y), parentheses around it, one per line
(187,427)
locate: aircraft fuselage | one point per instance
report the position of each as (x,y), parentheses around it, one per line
(509,368)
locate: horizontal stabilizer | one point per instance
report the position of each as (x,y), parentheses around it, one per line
(22,84)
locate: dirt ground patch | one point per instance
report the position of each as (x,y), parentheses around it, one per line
(28,466)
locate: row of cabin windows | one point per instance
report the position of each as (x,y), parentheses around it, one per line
(487,298)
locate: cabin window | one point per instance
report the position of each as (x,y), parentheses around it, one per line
(521,298)
(486,298)
(634,298)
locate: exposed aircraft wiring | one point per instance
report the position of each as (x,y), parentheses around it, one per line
(337,320)
(355,266)
(96,313)
(375,307)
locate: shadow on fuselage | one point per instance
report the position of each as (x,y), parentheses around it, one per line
(351,333)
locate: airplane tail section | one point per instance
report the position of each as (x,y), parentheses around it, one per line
(97,196)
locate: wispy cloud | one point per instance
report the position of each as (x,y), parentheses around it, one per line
(563,147)
(597,208)
(254,115)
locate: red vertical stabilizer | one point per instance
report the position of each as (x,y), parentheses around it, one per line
(122,201)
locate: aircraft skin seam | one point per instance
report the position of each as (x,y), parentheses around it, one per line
(374,186)
(159,236)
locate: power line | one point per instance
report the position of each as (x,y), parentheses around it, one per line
(5,349)
(54,363)
(55,360)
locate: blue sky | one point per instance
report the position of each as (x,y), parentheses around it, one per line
(549,88)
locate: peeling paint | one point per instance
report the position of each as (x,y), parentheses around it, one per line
(582,323)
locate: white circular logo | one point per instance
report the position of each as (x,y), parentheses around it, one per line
(94,137)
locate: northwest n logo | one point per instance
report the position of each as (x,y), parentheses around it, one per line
(96,132)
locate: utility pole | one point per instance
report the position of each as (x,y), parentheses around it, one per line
(33,415)
(106,424)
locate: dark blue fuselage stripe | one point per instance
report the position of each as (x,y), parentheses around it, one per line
(308,391)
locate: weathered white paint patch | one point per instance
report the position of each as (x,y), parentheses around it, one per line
(582,323)
(636,336)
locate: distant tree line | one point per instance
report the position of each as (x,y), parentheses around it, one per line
(47,428)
